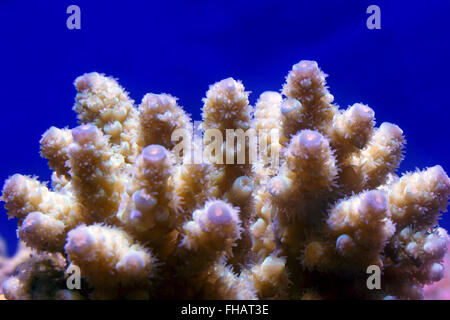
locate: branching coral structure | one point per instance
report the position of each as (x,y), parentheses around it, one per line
(8,265)
(141,221)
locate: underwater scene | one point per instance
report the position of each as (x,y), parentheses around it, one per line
(238,150)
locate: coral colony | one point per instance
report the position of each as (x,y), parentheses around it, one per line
(130,210)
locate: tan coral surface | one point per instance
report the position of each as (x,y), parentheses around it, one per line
(143,221)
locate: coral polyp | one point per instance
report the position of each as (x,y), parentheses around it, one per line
(141,221)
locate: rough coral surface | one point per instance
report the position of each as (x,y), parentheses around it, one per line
(440,290)
(320,205)
(8,265)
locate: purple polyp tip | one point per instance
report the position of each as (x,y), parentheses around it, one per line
(438,170)
(305,65)
(342,240)
(270,96)
(151,98)
(245,183)
(309,139)
(362,111)
(143,201)
(374,200)
(50,132)
(219,213)
(436,272)
(229,83)
(165,100)
(85,81)
(391,129)
(277,186)
(134,262)
(289,105)
(135,215)
(83,133)
(438,173)
(79,240)
(154,153)
(344,244)
(31,220)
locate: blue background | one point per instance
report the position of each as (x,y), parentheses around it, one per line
(181,47)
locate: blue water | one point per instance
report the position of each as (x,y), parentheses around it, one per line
(402,70)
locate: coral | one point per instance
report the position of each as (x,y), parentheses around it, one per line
(440,290)
(40,277)
(9,264)
(319,205)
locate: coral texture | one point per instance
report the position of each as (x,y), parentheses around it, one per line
(305,221)
(440,290)
(8,265)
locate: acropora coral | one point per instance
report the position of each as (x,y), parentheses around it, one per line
(142,222)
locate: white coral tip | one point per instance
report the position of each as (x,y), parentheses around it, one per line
(373,201)
(143,201)
(154,154)
(272,267)
(228,84)
(279,186)
(306,66)
(84,133)
(290,106)
(271,97)
(345,245)
(361,112)
(87,81)
(436,272)
(219,213)
(242,187)
(79,240)
(133,263)
(391,130)
(438,174)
